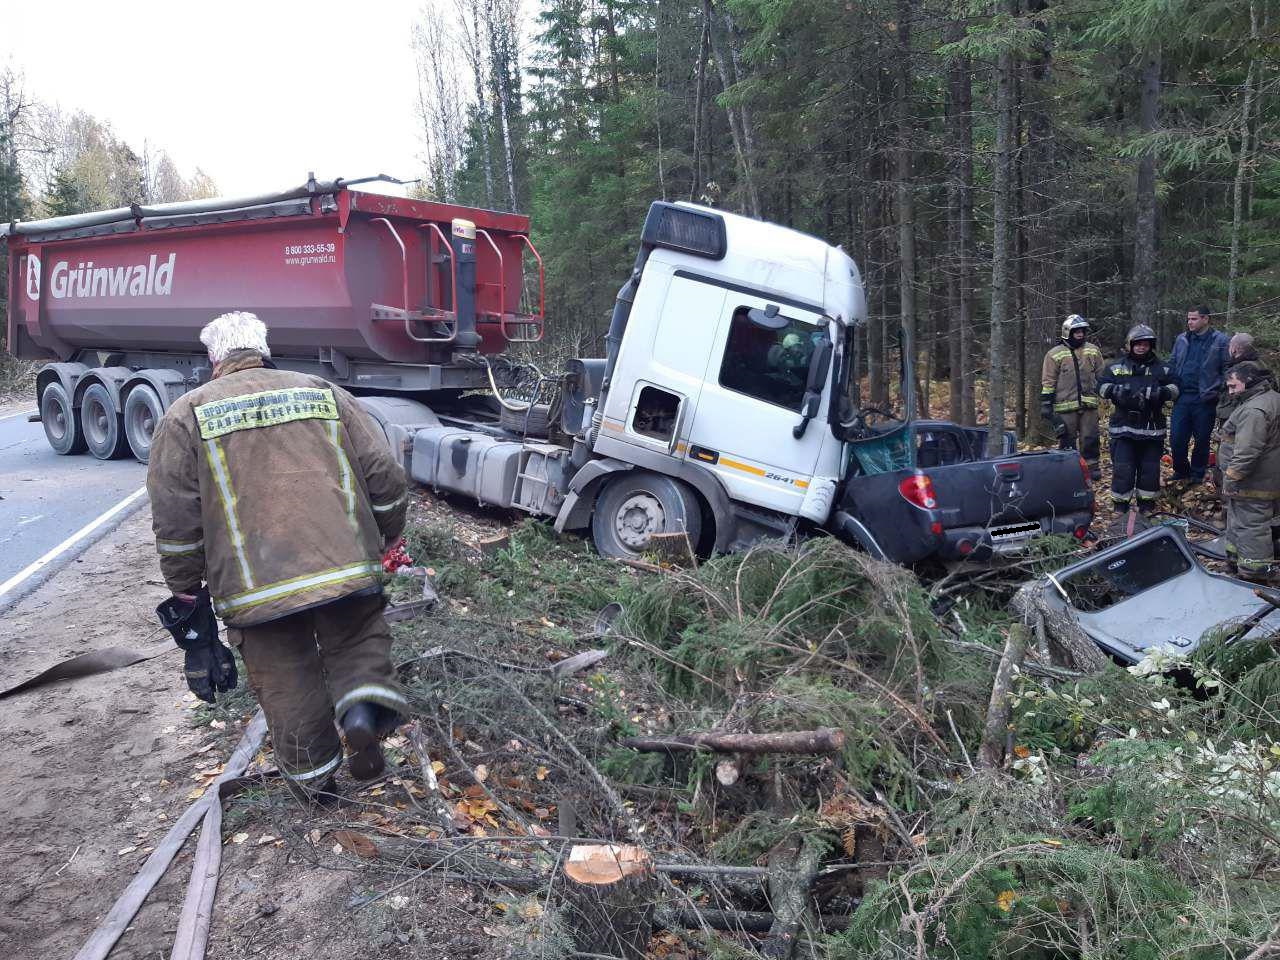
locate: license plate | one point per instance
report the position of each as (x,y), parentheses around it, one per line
(1013,531)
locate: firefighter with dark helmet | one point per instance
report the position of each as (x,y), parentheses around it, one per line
(1137,385)
(1069,390)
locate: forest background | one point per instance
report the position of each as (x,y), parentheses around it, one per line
(992,167)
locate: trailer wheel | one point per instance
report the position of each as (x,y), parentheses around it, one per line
(635,505)
(62,426)
(103,426)
(142,413)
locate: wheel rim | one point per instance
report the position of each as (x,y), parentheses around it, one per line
(56,420)
(142,423)
(96,423)
(638,518)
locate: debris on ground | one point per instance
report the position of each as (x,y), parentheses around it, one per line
(797,752)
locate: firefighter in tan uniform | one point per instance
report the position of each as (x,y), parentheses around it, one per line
(1250,459)
(275,489)
(1069,390)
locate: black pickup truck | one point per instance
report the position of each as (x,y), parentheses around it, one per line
(921,489)
(954,503)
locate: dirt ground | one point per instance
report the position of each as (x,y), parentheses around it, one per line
(96,770)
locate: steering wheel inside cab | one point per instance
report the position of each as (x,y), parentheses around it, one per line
(873,421)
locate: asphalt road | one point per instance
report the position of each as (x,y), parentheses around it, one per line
(48,498)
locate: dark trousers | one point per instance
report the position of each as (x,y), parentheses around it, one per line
(1082,434)
(1135,470)
(1192,421)
(308,669)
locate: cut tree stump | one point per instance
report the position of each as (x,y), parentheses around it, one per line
(610,899)
(822,740)
(491,545)
(672,548)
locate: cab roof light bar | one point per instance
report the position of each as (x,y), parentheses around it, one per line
(674,227)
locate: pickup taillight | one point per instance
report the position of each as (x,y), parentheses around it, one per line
(1084,471)
(918,491)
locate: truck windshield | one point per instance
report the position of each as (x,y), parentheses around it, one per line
(770,364)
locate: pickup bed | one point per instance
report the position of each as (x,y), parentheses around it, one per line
(951,503)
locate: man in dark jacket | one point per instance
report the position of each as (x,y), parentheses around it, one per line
(1199,360)
(1138,385)
(276,490)
(1250,454)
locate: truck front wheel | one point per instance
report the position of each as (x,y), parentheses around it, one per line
(636,505)
(62,426)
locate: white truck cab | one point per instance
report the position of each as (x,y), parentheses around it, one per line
(726,349)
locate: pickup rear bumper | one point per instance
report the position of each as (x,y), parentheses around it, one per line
(981,543)
(920,534)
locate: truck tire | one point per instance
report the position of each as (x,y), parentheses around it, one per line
(635,505)
(539,420)
(103,426)
(61,421)
(142,413)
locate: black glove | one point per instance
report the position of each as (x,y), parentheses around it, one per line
(209,667)
(1131,398)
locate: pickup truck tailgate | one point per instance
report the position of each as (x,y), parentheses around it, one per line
(969,509)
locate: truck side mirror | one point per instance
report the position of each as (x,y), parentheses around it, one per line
(819,367)
(769,318)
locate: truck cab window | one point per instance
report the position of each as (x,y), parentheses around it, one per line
(656,413)
(770,365)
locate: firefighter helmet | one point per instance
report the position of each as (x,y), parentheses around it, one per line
(1139,332)
(1073,323)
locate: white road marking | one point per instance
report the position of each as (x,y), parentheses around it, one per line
(15,416)
(33,568)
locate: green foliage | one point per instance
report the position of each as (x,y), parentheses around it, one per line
(832,639)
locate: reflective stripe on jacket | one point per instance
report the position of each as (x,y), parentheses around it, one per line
(1069,378)
(275,488)
(1250,450)
(1124,382)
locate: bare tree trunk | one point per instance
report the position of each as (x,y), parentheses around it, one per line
(904,187)
(737,124)
(698,109)
(1000,245)
(876,346)
(474,43)
(1144,240)
(1237,195)
(1042,286)
(960,191)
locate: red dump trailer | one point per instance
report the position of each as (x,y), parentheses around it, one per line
(372,292)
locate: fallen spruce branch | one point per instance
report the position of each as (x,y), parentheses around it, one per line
(994,734)
(436,804)
(822,740)
(743,921)
(556,671)
(793,867)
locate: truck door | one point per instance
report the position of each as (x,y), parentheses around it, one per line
(751,401)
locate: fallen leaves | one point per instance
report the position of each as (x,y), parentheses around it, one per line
(356,844)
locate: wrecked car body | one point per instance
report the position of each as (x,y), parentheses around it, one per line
(1150,593)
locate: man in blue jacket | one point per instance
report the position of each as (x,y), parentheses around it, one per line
(1199,359)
